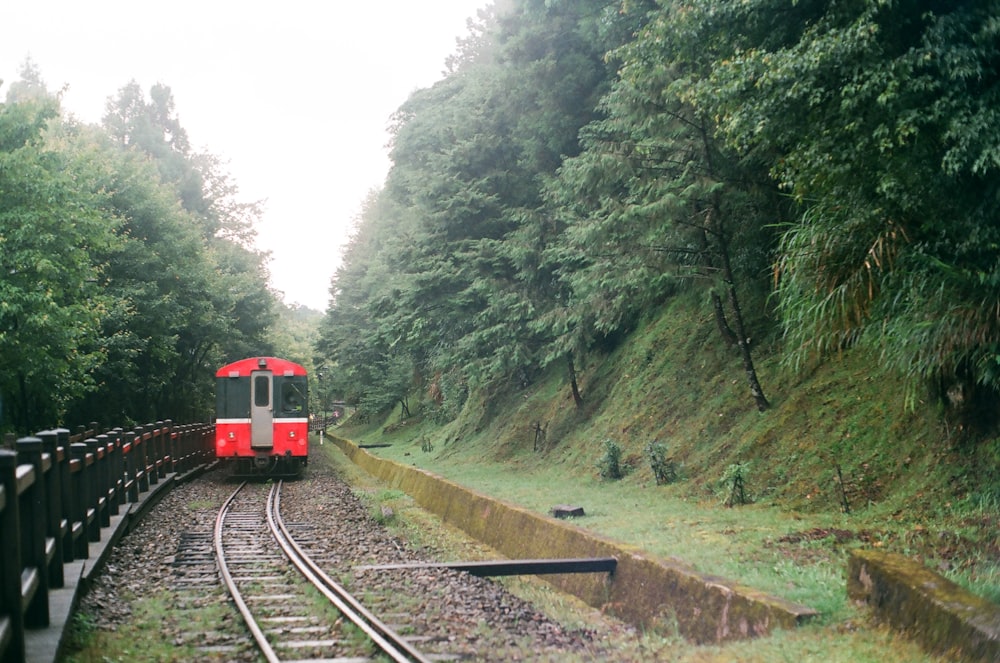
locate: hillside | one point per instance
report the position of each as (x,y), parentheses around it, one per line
(911,485)
(673,381)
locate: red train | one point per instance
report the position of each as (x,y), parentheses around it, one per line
(262,417)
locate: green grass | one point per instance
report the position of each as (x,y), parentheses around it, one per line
(841,635)
(913,486)
(144,636)
(708,537)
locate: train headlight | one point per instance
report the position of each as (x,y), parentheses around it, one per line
(221,442)
(232,435)
(291,434)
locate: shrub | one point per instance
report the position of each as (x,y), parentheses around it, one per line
(610,464)
(734,481)
(664,469)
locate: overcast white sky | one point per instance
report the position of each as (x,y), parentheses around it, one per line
(294,95)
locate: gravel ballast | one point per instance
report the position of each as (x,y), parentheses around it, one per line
(448,613)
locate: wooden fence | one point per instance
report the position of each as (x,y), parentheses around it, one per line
(58,490)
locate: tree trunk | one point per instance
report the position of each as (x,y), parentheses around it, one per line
(721,322)
(715,226)
(741,335)
(577,399)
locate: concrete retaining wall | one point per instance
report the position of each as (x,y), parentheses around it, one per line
(646,591)
(947,619)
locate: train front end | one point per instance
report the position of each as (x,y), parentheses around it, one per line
(262,417)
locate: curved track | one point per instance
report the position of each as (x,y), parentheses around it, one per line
(256,557)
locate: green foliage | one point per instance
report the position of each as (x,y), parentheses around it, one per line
(663,466)
(447,266)
(127,278)
(51,225)
(655,202)
(447,395)
(881,119)
(393,377)
(584,162)
(734,483)
(609,466)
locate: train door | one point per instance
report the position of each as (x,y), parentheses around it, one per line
(261,410)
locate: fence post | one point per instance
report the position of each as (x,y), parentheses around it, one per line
(10,559)
(181,461)
(131,466)
(82,500)
(55,525)
(96,499)
(33,535)
(153,452)
(208,441)
(170,446)
(116,470)
(160,450)
(141,462)
(179,448)
(102,477)
(193,445)
(66,489)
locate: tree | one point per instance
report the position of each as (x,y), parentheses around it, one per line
(881,118)
(128,271)
(187,294)
(50,223)
(447,270)
(358,330)
(653,200)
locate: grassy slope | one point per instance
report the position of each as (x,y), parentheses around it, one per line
(672,381)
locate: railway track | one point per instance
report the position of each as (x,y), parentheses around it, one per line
(161,597)
(278,589)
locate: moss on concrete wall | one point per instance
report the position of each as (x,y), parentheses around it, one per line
(946,618)
(646,591)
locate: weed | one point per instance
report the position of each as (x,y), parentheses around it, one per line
(734,481)
(81,631)
(539,430)
(382,514)
(610,464)
(664,468)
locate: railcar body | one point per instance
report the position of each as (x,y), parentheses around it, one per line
(262,417)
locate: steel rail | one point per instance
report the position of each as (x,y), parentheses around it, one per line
(390,642)
(255,630)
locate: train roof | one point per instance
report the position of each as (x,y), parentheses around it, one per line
(244,367)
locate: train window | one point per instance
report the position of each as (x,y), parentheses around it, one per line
(261,391)
(233,398)
(292,398)
(293,395)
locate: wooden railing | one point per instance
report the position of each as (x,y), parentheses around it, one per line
(58,490)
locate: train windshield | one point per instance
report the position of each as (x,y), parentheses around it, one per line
(232,398)
(292,392)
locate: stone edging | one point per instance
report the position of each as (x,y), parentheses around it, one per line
(944,617)
(646,591)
